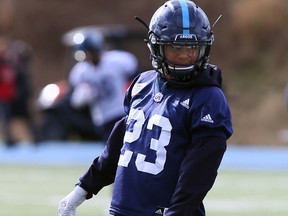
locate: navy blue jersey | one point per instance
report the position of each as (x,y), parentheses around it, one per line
(162,122)
(168,148)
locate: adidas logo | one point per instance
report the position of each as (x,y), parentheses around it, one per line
(185,103)
(207,118)
(159,212)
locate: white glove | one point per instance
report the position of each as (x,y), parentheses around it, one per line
(68,205)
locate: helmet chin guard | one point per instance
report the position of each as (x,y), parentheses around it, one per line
(179,23)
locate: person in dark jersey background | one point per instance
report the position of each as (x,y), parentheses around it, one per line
(163,156)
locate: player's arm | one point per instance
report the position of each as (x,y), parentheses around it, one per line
(197,175)
(100,173)
(103,169)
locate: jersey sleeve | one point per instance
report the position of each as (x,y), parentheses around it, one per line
(197,175)
(103,169)
(75,74)
(211,114)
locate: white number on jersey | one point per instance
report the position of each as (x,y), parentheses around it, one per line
(155,144)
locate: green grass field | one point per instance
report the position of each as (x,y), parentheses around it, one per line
(37,190)
(249,194)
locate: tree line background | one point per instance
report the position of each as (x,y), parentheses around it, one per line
(250,46)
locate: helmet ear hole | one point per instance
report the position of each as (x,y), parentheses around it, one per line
(155,51)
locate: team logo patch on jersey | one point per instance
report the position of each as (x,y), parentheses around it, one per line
(137,88)
(185,103)
(207,118)
(158,97)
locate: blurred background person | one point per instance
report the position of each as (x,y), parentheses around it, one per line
(89,102)
(100,79)
(20,56)
(61,121)
(7,92)
(15,89)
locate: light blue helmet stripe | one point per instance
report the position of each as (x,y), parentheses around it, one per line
(185,16)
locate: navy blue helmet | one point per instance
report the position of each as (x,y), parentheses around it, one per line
(179,23)
(92,42)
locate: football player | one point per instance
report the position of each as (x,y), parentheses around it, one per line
(100,81)
(164,155)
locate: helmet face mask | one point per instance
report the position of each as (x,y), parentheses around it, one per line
(181,56)
(182,25)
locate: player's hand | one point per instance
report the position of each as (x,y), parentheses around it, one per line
(68,205)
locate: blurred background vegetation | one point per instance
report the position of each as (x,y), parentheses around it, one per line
(250,46)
